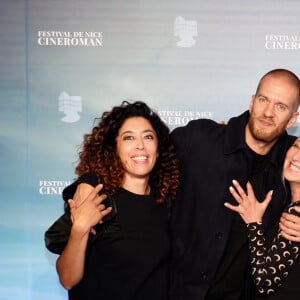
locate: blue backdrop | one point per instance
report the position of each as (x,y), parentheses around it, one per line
(62,63)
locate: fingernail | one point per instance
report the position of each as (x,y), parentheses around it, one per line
(234,181)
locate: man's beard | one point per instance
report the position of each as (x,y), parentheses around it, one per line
(263,135)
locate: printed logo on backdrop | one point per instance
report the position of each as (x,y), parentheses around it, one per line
(70,106)
(186,31)
(70,38)
(176,118)
(282,42)
(52,187)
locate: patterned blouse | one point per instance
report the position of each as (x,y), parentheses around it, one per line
(270,266)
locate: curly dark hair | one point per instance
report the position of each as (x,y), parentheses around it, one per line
(98,154)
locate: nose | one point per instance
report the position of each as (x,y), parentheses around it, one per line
(269,110)
(140,144)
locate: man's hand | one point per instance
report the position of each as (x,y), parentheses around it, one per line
(86,206)
(82,192)
(290,226)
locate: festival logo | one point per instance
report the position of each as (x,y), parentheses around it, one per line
(52,187)
(70,38)
(70,106)
(185,31)
(176,118)
(282,42)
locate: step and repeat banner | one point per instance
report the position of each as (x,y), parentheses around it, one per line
(62,63)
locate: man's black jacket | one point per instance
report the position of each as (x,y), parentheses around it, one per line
(211,156)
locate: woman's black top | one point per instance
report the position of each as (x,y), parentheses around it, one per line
(131,260)
(274,264)
(128,257)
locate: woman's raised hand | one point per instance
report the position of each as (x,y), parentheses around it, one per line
(248,207)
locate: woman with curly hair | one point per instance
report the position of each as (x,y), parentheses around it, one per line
(113,239)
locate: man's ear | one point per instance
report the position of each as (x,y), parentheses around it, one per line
(293,119)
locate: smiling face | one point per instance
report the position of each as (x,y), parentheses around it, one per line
(291,166)
(137,147)
(272,110)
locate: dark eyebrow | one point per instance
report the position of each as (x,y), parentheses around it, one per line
(144,131)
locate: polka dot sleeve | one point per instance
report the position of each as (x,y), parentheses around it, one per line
(270,266)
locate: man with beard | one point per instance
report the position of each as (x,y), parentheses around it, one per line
(210,258)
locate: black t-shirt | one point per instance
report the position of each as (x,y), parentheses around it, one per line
(128,261)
